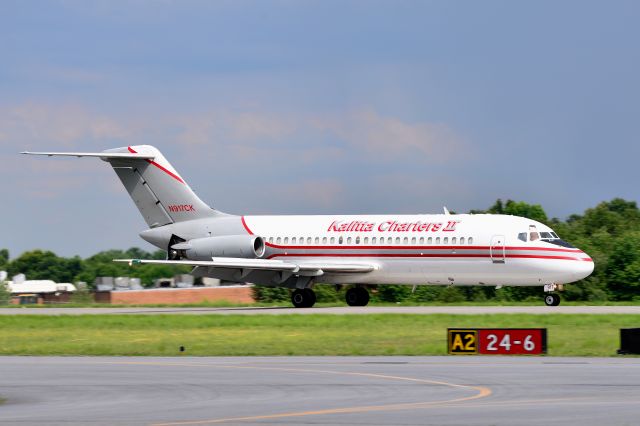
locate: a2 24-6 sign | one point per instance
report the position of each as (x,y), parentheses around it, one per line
(497,341)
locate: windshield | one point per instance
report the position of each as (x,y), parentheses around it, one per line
(546,236)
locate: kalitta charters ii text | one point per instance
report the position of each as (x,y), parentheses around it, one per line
(392,226)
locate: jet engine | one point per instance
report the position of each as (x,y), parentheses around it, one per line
(245,246)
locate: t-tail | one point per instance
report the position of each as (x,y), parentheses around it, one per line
(160,193)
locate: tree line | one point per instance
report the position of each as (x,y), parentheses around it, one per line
(608,232)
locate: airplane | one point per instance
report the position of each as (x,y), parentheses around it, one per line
(299,252)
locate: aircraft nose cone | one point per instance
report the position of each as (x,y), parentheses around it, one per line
(584,267)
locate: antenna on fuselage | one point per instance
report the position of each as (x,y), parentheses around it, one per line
(446,211)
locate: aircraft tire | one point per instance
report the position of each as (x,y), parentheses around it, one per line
(351,297)
(552,299)
(311,295)
(303,298)
(357,296)
(363,296)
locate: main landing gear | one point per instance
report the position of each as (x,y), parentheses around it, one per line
(303,298)
(357,296)
(552,299)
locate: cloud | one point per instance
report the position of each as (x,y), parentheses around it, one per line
(321,193)
(35,124)
(387,136)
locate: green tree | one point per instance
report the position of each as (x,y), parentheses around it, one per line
(5,294)
(4,259)
(45,265)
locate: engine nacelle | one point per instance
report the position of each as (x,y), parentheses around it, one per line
(246,246)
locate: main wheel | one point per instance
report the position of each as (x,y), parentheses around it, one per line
(311,295)
(357,296)
(552,299)
(352,296)
(303,298)
(363,296)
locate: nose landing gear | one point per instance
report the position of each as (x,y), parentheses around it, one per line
(552,299)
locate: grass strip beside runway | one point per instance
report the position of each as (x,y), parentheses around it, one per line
(221,335)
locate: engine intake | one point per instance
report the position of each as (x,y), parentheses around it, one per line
(245,246)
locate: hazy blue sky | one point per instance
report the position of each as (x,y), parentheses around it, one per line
(314,107)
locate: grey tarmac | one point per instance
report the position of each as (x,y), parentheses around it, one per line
(319,391)
(423,310)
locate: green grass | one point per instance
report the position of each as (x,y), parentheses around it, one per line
(220,335)
(227,304)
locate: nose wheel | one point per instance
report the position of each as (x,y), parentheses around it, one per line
(552,299)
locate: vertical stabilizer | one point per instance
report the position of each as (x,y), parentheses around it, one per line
(157,189)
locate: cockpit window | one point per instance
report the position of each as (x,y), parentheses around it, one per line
(522,236)
(533,236)
(553,238)
(558,242)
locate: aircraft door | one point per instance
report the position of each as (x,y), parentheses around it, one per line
(497,249)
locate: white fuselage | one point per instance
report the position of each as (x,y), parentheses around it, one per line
(424,249)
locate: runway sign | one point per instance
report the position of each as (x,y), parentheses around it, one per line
(497,341)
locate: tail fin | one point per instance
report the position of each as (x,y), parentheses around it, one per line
(159,192)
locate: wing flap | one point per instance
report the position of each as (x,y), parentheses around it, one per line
(262,264)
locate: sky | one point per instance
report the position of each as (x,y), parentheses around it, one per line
(313,107)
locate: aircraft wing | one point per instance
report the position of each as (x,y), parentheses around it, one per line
(314,269)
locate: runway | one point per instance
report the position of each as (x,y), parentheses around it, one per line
(319,391)
(349,310)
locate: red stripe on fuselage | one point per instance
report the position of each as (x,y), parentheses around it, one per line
(411,247)
(244,223)
(423,255)
(173,175)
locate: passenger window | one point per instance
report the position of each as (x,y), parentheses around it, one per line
(430,240)
(405,241)
(324,240)
(445,240)
(421,240)
(373,240)
(398,240)
(366,240)
(437,240)
(293,240)
(413,241)
(278,241)
(286,240)
(308,240)
(461,240)
(271,240)
(389,240)
(317,240)
(454,241)
(348,240)
(340,240)
(470,240)
(332,240)
(358,239)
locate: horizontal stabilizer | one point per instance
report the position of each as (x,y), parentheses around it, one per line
(103,155)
